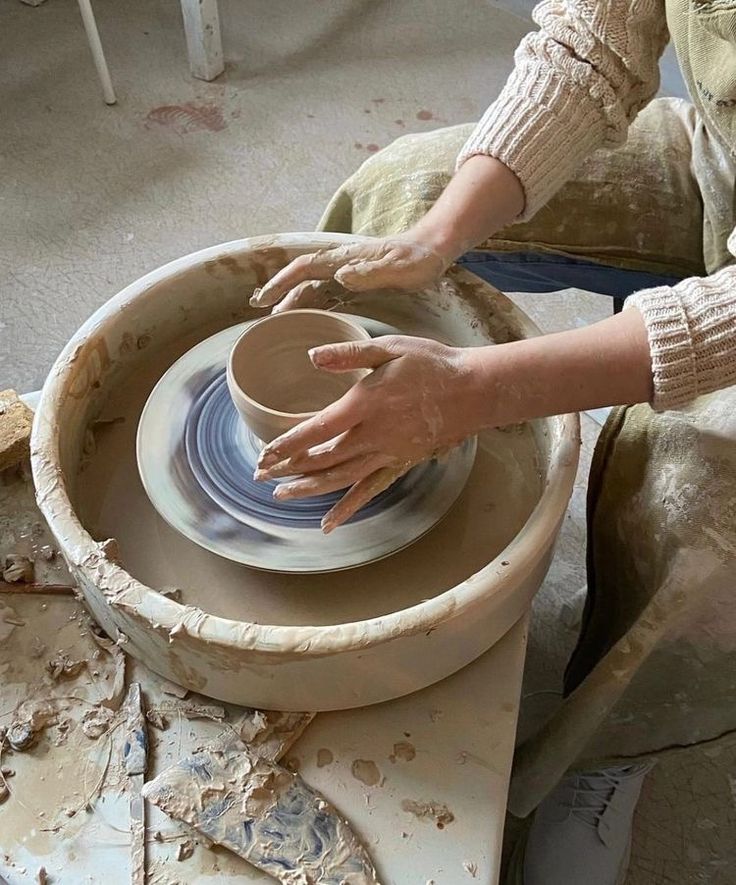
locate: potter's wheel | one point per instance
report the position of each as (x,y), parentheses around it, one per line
(265,639)
(196,460)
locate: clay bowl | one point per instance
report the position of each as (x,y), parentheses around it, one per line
(289,642)
(271,379)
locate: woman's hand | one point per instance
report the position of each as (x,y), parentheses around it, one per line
(401,262)
(420,400)
(424,397)
(482,197)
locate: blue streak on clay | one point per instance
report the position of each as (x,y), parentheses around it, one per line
(222,456)
(263,813)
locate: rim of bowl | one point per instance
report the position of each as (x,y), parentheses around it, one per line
(362,335)
(127,596)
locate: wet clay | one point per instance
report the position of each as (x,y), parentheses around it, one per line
(271,378)
(437,812)
(366,771)
(404,751)
(324,757)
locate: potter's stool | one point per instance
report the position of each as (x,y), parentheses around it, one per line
(202,30)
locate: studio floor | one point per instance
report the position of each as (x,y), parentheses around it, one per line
(93,196)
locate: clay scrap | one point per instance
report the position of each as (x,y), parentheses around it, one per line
(96,722)
(16,420)
(61,666)
(18,569)
(264,814)
(270,734)
(115,696)
(30,719)
(429,811)
(192,709)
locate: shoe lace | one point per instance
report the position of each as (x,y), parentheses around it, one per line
(589,802)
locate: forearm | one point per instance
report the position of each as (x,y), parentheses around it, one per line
(576,86)
(483,197)
(605,364)
(671,345)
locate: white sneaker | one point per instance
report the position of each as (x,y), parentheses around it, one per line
(581,833)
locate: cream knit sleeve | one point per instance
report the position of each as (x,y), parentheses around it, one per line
(576,86)
(692,336)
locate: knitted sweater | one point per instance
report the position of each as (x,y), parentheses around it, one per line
(576,86)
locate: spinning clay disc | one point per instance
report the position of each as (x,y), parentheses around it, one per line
(196,460)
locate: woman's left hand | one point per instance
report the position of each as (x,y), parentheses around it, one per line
(420,400)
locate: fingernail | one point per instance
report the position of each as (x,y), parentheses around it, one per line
(255,298)
(282,491)
(267,459)
(327,525)
(319,355)
(260,475)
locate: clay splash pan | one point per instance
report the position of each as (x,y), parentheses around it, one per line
(286,641)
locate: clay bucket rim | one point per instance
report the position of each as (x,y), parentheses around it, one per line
(127,595)
(360,335)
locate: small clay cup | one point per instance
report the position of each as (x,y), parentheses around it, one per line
(272,381)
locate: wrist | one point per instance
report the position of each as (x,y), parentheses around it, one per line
(480,387)
(483,197)
(436,234)
(606,364)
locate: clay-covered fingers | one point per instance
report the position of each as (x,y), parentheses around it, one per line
(331,480)
(326,425)
(398,267)
(358,276)
(321,265)
(311,293)
(322,457)
(359,495)
(347,356)
(342,415)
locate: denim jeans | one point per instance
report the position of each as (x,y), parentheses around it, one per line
(543,272)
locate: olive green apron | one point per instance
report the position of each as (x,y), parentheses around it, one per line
(655,665)
(704,36)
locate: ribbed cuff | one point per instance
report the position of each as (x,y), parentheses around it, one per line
(674,369)
(692,336)
(541,126)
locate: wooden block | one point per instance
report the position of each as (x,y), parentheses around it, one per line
(37,589)
(15,429)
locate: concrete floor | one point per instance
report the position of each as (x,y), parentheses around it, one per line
(93,197)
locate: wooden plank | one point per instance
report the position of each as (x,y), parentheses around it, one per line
(204,42)
(135,763)
(37,589)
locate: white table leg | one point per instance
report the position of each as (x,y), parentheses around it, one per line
(204,43)
(93,37)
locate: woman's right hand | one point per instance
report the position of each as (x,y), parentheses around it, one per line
(400,262)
